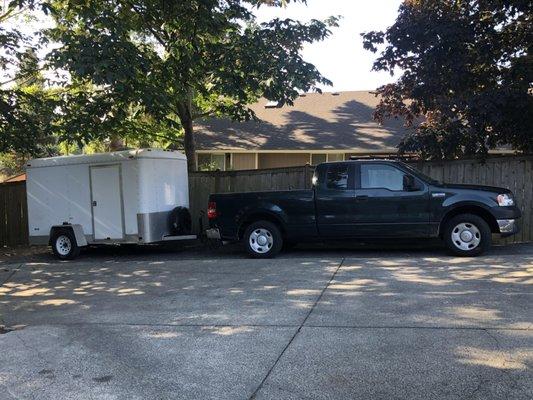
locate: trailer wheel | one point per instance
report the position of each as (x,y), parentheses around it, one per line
(64,244)
(263,239)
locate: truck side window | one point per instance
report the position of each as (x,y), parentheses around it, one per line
(337,177)
(375,176)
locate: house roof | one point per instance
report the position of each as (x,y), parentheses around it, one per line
(315,122)
(17,178)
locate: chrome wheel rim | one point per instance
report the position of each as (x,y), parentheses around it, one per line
(261,240)
(466,236)
(63,245)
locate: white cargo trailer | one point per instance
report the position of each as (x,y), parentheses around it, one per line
(133,196)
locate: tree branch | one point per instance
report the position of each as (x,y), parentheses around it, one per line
(10,12)
(25,77)
(147,25)
(203,114)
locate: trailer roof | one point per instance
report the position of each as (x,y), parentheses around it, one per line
(97,158)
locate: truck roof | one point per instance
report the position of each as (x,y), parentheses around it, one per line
(115,156)
(367,160)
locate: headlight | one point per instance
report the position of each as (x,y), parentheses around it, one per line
(505,200)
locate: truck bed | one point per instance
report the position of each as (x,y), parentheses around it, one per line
(295,207)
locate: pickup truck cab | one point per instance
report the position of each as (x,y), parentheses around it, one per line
(365,199)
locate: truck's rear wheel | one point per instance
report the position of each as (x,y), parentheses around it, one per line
(263,239)
(467,235)
(64,244)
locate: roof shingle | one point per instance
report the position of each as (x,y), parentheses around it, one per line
(315,122)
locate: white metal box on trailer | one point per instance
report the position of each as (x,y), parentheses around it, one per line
(125,196)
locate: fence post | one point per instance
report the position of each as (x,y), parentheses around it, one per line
(217,182)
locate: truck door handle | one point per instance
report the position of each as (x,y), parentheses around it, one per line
(361,198)
(94,203)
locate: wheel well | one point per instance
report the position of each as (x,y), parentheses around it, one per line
(57,229)
(260,217)
(479,211)
(75,229)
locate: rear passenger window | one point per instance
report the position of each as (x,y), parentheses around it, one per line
(381,176)
(337,177)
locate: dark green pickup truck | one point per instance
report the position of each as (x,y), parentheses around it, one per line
(365,199)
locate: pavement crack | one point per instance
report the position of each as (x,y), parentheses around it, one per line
(254,394)
(16,269)
(3,329)
(480,384)
(274,325)
(13,395)
(31,349)
(494,338)
(507,358)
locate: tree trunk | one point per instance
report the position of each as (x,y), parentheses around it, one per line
(185,116)
(116,143)
(188,144)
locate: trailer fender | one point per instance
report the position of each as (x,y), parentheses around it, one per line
(77,229)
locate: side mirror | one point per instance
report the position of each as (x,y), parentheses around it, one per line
(409,184)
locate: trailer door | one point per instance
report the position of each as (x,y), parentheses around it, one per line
(106,197)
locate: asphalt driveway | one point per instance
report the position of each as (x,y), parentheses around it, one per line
(320,325)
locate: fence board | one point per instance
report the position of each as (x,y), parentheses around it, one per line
(3,216)
(527,217)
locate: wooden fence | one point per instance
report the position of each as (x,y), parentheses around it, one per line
(201,184)
(515,173)
(13,214)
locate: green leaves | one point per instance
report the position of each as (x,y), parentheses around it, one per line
(465,68)
(144,70)
(176,61)
(26,121)
(26,110)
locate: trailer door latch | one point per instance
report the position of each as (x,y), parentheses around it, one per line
(94,203)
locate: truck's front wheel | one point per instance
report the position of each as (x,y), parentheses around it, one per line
(263,239)
(467,235)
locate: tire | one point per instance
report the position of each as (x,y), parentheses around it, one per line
(64,244)
(467,235)
(180,221)
(263,239)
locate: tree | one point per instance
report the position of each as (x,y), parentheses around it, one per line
(27,116)
(467,68)
(29,71)
(37,119)
(177,61)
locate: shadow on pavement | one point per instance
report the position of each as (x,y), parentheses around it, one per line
(338,321)
(196,250)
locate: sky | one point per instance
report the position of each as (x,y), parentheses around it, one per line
(341,58)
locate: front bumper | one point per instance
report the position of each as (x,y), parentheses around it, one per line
(213,233)
(508,227)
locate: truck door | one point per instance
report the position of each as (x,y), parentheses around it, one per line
(389,202)
(335,199)
(106,197)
